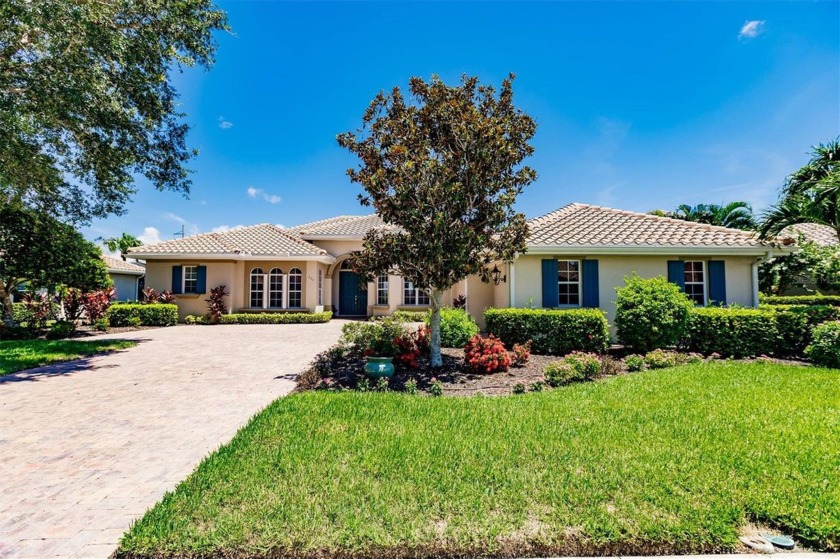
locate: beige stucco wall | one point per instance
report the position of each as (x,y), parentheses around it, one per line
(159,277)
(612,269)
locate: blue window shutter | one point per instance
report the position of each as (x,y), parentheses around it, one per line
(590,284)
(201,280)
(717,282)
(550,289)
(177,274)
(676,273)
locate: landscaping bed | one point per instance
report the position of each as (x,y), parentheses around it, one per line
(680,460)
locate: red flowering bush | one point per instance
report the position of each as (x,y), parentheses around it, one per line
(411,346)
(486,355)
(521,353)
(96,303)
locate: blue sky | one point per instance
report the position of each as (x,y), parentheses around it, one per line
(638,105)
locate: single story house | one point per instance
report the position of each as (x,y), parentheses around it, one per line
(821,236)
(127,277)
(576,257)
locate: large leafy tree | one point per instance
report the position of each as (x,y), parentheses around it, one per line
(443,169)
(46,253)
(812,266)
(738,215)
(122,243)
(810,195)
(86,99)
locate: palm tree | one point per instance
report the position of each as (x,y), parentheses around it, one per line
(810,195)
(734,214)
(122,243)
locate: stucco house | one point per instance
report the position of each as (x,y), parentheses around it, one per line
(127,277)
(576,257)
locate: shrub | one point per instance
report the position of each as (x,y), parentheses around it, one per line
(149,296)
(661,359)
(551,332)
(650,313)
(732,332)
(830,300)
(166,297)
(411,386)
(97,303)
(537,386)
(134,322)
(436,388)
(411,346)
(521,354)
(17,333)
(410,316)
(38,310)
(459,302)
(574,367)
(157,314)
(519,388)
(61,329)
(634,363)
(486,355)
(73,303)
(194,319)
(275,318)
(216,303)
(375,337)
(101,324)
(825,348)
(456,327)
(796,324)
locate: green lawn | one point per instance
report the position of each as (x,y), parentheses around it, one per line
(674,460)
(17,355)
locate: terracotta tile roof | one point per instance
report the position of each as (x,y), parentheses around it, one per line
(117,265)
(584,225)
(343,226)
(257,240)
(822,235)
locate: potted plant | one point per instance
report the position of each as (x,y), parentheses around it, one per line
(379,357)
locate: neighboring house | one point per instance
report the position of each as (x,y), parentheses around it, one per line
(127,277)
(820,235)
(576,257)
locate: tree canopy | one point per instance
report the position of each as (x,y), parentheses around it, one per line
(443,170)
(122,243)
(46,253)
(86,99)
(738,215)
(809,195)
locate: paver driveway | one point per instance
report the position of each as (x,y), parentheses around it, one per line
(90,445)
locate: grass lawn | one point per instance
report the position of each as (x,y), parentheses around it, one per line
(17,355)
(675,460)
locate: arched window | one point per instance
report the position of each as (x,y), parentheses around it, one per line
(257,288)
(295,288)
(275,288)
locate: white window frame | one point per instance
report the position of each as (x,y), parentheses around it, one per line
(194,279)
(382,284)
(269,290)
(320,287)
(251,290)
(295,272)
(579,284)
(704,283)
(416,293)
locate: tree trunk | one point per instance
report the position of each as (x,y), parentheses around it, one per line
(436,360)
(8,309)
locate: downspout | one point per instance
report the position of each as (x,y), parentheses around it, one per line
(512,283)
(754,268)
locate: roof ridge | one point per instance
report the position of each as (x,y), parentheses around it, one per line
(295,239)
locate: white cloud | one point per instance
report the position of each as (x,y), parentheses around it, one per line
(150,236)
(751,29)
(260,193)
(224,124)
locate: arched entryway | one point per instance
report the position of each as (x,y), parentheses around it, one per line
(352,295)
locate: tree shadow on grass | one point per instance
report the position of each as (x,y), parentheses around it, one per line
(62,368)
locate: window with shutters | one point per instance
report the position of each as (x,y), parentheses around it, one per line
(695,282)
(568,283)
(190,279)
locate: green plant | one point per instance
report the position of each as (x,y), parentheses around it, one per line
(149,296)
(825,347)
(61,329)
(39,309)
(732,332)
(375,337)
(551,332)
(456,327)
(275,318)
(634,362)
(166,297)
(518,388)
(521,354)
(101,324)
(661,359)
(411,386)
(486,355)
(97,303)
(157,314)
(410,316)
(831,300)
(135,322)
(436,387)
(588,364)
(382,385)
(650,313)
(558,373)
(216,303)
(796,324)
(72,300)
(537,386)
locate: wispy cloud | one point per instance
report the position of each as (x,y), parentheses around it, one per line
(255,193)
(224,124)
(189,227)
(751,29)
(150,236)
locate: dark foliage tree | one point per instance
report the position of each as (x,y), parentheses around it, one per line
(87,101)
(443,170)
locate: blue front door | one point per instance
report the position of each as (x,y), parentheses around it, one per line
(352,299)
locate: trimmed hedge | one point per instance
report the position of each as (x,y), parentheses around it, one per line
(830,300)
(825,348)
(158,314)
(552,332)
(797,323)
(411,316)
(277,318)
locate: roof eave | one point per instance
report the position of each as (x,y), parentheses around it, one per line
(325,258)
(306,237)
(126,272)
(654,250)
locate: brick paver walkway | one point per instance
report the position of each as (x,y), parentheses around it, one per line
(88,446)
